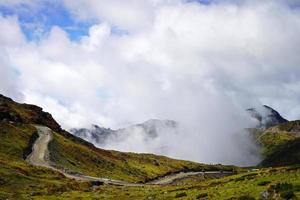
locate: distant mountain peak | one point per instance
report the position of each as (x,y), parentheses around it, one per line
(99,135)
(266,116)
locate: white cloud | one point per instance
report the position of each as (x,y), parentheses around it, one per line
(10,38)
(15,2)
(200,65)
(129,15)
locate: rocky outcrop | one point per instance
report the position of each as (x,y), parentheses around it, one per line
(25,113)
(266,116)
(99,135)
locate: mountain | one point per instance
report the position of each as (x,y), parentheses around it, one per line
(266,116)
(154,127)
(277,138)
(95,134)
(99,135)
(280,144)
(70,166)
(287,153)
(25,113)
(66,155)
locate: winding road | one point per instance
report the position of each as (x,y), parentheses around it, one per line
(40,156)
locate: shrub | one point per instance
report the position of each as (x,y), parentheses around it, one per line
(246,197)
(2,181)
(181,194)
(202,195)
(280,187)
(240,179)
(294,167)
(263,183)
(287,194)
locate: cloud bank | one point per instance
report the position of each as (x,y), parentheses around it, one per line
(201,65)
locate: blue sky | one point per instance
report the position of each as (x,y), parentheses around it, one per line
(36,21)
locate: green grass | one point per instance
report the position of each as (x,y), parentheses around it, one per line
(292,126)
(271,141)
(18,180)
(280,145)
(276,136)
(130,167)
(285,154)
(221,189)
(68,151)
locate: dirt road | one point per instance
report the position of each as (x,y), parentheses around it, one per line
(40,157)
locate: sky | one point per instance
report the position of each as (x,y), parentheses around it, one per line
(120,62)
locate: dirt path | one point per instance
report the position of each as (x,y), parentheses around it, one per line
(40,157)
(40,152)
(171,178)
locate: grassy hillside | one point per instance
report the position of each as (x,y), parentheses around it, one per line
(25,113)
(75,154)
(285,154)
(18,180)
(116,165)
(278,135)
(278,183)
(280,145)
(273,140)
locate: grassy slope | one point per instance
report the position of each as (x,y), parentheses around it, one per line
(278,135)
(18,180)
(116,165)
(250,184)
(285,154)
(25,113)
(68,151)
(272,140)
(279,144)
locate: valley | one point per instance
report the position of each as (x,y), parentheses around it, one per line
(39,160)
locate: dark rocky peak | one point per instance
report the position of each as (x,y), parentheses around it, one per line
(94,134)
(153,127)
(25,113)
(100,135)
(266,116)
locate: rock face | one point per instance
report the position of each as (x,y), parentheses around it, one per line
(95,134)
(266,116)
(100,135)
(153,127)
(25,113)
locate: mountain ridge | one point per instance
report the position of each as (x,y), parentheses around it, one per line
(20,180)
(73,153)
(266,116)
(98,135)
